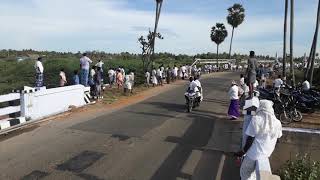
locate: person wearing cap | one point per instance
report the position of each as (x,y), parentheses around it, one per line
(39,72)
(262,134)
(234,107)
(252,72)
(85,66)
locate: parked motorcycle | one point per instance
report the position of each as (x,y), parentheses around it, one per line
(286,104)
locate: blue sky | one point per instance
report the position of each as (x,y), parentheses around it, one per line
(115,25)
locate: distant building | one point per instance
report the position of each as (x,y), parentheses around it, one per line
(23,58)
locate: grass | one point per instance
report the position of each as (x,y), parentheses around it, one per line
(111,95)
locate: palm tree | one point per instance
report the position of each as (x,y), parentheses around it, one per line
(285,40)
(291,42)
(218,34)
(158,12)
(235,18)
(314,44)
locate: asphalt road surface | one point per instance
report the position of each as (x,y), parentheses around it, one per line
(152,140)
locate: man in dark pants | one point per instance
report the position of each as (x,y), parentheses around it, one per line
(252,72)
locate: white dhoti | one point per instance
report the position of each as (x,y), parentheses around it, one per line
(248,169)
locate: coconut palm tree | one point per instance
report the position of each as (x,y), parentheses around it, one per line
(291,42)
(235,18)
(285,40)
(218,35)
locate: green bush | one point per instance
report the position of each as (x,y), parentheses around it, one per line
(303,168)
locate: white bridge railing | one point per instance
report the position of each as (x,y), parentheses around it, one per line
(31,104)
(12,110)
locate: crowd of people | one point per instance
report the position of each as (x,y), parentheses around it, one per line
(170,74)
(89,76)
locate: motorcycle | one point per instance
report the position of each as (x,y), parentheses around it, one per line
(286,103)
(193,100)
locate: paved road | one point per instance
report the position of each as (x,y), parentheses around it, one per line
(151,140)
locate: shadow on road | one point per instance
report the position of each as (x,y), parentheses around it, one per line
(217,101)
(169,106)
(196,137)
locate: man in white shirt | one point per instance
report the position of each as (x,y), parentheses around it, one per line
(112,77)
(63,78)
(175,72)
(263,132)
(39,72)
(183,69)
(147,78)
(306,85)
(85,66)
(277,83)
(100,65)
(199,86)
(159,76)
(192,88)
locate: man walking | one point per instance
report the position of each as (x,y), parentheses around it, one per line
(85,65)
(39,73)
(252,72)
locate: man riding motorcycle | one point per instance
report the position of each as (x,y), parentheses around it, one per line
(194,87)
(200,92)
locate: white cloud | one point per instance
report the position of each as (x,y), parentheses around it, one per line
(109,25)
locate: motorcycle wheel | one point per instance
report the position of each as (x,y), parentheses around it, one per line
(296,116)
(285,118)
(189,107)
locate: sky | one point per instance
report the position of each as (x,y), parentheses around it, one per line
(115,25)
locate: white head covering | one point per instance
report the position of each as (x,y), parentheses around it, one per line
(266,121)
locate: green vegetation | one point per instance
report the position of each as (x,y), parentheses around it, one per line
(303,168)
(15,75)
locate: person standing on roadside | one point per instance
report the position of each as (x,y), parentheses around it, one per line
(98,82)
(159,76)
(154,77)
(175,72)
(85,66)
(119,78)
(63,78)
(252,72)
(76,79)
(39,73)
(147,76)
(100,65)
(168,74)
(112,77)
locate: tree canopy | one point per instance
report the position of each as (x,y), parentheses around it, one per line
(236,15)
(218,33)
